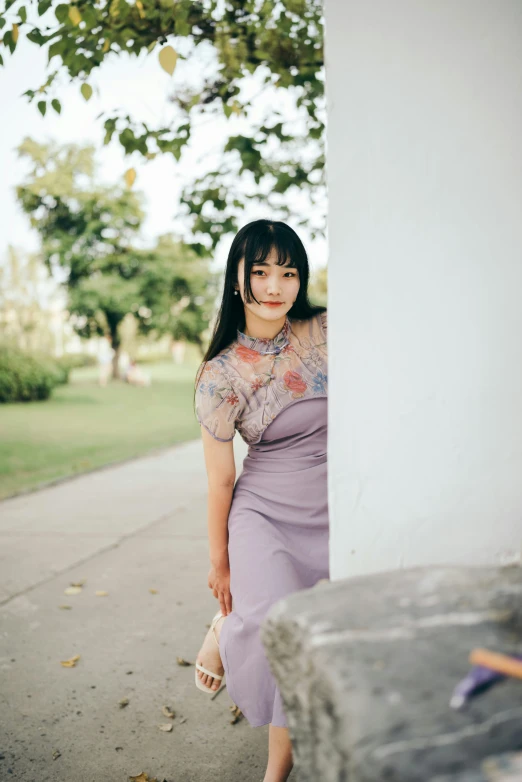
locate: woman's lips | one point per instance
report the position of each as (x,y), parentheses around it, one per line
(273,303)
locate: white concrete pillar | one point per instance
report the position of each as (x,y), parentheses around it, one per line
(425,282)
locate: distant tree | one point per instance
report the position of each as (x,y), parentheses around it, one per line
(178,292)
(275,44)
(90,237)
(88,232)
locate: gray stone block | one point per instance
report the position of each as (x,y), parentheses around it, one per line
(367,666)
(499,768)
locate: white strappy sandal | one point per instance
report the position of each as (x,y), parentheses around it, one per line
(199,683)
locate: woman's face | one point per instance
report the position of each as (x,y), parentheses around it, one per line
(269,283)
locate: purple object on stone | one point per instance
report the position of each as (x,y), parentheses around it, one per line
(478,679)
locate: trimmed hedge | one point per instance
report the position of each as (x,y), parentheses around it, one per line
(25,377)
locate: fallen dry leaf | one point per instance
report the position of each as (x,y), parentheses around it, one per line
(101,593)
(167,712)
(70,663)
(182,720)
(78,583)
(65,608)
(143,777)
(153,591)
(124,702)
(166,727)
(56,754)
(181,661)
(74,590)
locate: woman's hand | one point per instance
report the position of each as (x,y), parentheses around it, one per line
(219,583)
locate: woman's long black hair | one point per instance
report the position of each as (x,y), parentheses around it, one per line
(254,242)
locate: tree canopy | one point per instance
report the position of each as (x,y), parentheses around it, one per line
(274,43)
(89,234)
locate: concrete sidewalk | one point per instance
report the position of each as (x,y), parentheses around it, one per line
(126,530)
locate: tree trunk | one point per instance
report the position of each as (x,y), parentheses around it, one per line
(116,344)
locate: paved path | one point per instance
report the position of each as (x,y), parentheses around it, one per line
(125,530)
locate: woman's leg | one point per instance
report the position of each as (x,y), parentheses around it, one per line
(279,755)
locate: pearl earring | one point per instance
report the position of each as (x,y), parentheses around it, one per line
(235,293)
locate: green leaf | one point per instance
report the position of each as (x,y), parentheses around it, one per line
(89,15)
(42,107)
(62,12)
(86,90)
(35,36)
(1,60)
(182,28)
(22,13)
(44,6)
(8,41)
(57,106)
(110,127)
(2,22)
(58,47)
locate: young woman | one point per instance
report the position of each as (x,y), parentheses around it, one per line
(264,374)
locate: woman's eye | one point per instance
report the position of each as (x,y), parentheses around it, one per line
(260,271)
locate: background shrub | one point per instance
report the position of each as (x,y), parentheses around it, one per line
(27,377)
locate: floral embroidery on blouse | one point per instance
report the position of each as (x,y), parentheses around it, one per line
(249,382)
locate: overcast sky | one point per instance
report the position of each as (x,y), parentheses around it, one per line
(139,87)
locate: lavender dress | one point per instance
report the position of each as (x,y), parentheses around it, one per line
(278,520)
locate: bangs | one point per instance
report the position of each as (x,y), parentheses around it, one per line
(259,246)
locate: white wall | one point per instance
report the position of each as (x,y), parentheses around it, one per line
(425,282)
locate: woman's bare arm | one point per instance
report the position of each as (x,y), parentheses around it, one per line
(221,473)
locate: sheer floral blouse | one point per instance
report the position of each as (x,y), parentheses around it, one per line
(248,383)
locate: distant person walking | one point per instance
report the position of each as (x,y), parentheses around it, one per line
(265,375)
(105,356)
(178,351)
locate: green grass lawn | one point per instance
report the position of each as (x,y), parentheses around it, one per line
(83,426)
